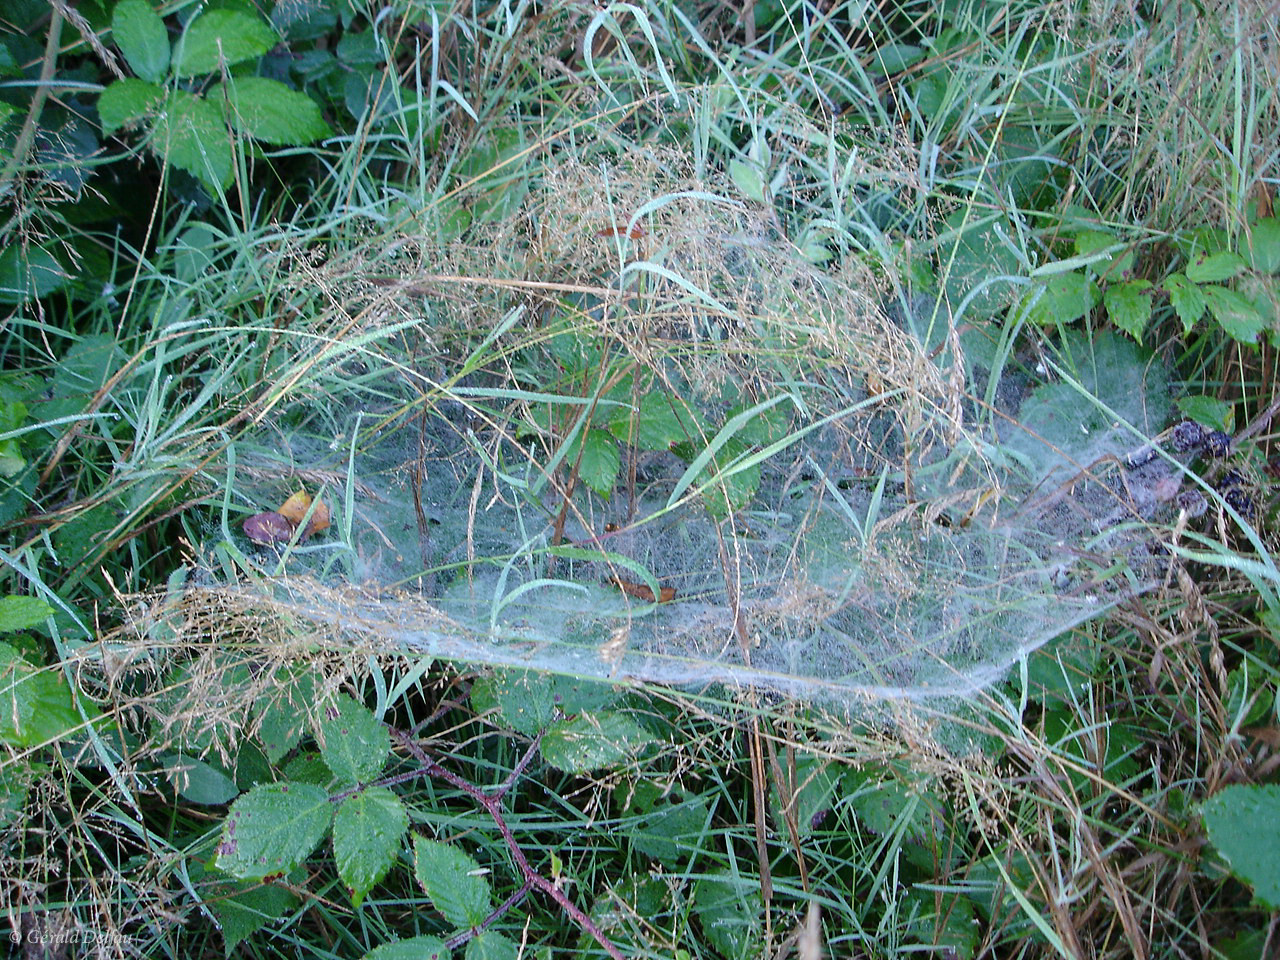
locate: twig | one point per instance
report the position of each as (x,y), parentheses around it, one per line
(492,803)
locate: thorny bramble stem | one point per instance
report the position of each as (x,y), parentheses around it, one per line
(492,804)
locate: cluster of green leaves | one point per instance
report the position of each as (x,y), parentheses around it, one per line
(197,131)
(1234,283)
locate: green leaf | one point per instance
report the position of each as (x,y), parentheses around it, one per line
(29,272)
(661,421)
(498,168)
(1061,299)
(270,111)
(669,829)
(1236,315)
(352,742)
(282,713)
(813,791)
(451,879)
(489,945)
(418,948)
(1241,821)
(16,778)
(730,911)
(1187,299)
(529,702)
(726,486)
(242,914)
(600,461)
(142,38)
(949,925)
(35,702)
(1113,267)
(1210,411)
(1129,306)
(747,178)
(22,613)
(367,830)
(199,781)
(13,414)
(978,265)
(593,741)
(1264,245)
(1214,267)
(221,37)
(765,427)
(272,829)
(191,135)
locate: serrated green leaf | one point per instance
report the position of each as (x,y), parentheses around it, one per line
(200,781)
(221,37)
(730,912)
(765,427)
(1214,267)
(417,948)
(1187,299)
(489,945)
(142,38)
(35,702)
(599,462)
(1109,367)
(726,485)
(453,882)
(272,829)
(22,613)
(813,791)
(1263,246)
(271,112)
(747,179)
(352,742)
(1061,299)
(1129,306)
(978,267)
(1237,316)
(282,713)
(1210,411)
(367,831)
(191,135)
(948,926)
(1113,267)
(668,829)
(593,741)
(528,701)
(29,272)
(1241,821)
(241,914)
(661,421)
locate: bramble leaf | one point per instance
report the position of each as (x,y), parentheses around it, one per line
(221,37)
(140,34)
(1129,306)
(271,112)
(1236,315)
(1187,299)
(1241,823)
(593,741)
(352,742)
(367,830)
(453,882)
(272,829)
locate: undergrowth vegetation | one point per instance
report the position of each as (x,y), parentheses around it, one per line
(358,360)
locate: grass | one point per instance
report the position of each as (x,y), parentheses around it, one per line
(533,219)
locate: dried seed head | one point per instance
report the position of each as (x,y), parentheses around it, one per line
(1217,443)
(1193,502)
(1187,436)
